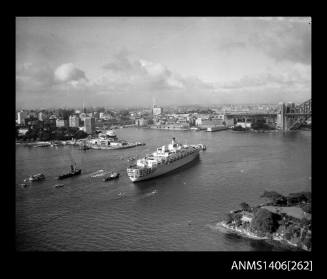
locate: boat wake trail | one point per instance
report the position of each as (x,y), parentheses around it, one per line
(154,192)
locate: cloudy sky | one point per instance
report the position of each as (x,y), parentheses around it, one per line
(119,61)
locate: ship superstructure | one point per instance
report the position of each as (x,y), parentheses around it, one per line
(163,160)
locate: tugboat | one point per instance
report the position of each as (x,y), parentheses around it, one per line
(35,177)
(73,172)
(113,175)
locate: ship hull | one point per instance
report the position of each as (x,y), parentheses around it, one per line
(168,168)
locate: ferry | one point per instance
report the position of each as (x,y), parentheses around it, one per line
(164,160)
(35,177)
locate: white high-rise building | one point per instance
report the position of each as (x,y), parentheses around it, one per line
(41,116)
(73,121)
(89,125)
(21,116)
(157,110)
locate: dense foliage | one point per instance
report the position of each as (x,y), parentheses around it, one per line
(275,198)
(265,221)
(245,206)
(292,199)
(62,133)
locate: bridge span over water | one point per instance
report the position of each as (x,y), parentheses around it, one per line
(286,116)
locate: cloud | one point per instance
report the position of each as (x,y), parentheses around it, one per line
(285,41)
(292,43)
(127,82)
(291,77)
(68,73)
(34,75)
(289,82)
(286,19)
(124,71)
(42,47)
(231,44)
(280,38)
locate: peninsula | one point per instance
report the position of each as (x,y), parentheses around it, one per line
(283,219)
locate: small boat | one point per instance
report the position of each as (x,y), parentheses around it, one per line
(35,177)
(113,175)
(59,185)
(23,185)
(73,172)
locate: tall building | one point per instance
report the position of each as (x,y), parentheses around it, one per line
(89,125)
(61,123)
(156,110)
(82,116)
(141,122)
(42,116)
(73,121)
(21,116)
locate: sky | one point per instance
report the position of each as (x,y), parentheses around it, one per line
(136,61)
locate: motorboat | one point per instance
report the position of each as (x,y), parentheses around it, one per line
(113,175)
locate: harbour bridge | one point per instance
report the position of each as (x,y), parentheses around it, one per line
(293,117)
(287,117)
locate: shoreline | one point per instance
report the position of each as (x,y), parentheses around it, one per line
(63,143)
(247,234)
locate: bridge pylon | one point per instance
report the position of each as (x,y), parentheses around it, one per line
(292,117)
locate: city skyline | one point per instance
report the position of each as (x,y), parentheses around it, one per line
(176,61)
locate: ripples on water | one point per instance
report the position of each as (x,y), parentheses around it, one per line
(173,212)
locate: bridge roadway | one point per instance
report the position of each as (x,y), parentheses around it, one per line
(258,114)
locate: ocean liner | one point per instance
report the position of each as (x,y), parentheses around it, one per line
(165,159)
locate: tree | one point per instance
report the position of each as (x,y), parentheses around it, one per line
(245,206)
(229,218)
(297,198)
(80,135)
(238,219)
(45,136)
(275,197)
(307,208)
(265,221)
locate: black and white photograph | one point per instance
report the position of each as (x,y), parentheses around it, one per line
(163,134)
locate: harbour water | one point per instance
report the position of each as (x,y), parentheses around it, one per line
(176,212)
